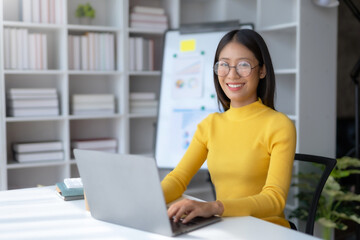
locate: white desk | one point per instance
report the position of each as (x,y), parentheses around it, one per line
(38,213)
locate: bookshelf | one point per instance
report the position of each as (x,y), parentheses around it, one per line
(302,68)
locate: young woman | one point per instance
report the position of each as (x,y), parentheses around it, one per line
(249,147)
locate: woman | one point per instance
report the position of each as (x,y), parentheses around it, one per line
(249,147)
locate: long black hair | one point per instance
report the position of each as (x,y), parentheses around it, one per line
(256,44)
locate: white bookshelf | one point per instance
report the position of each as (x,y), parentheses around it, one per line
(294,30)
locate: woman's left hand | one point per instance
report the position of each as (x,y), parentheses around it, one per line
(187,209)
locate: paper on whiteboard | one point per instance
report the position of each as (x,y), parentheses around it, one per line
(188,78)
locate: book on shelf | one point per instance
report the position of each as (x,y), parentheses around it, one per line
(141,54)
(95,143)
(33,103)
(35,91)
(144,103)
(142,96)
(32,112)
(42,11)
(26,147)
(93,106)
(91,51)
(24,50)
(39,156)
(93,112)
(150,110)
(23,102)
(69,194)
(93,98)
(148,17)
(148,10)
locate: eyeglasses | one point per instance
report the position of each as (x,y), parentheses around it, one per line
(243,68)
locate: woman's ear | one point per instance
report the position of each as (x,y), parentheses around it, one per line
(262,71)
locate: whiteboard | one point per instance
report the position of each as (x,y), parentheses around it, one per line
(187,92)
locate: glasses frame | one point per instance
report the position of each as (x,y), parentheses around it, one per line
(217,63)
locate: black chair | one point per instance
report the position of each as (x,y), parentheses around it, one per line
(329,164)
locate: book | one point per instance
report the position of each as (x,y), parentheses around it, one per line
(44,11)
(139,49)
(151,10)
(144,103)
(94,143)
(35,9)
(151,110)
(148,17)
(7,48)
(27,112)
(73,183)
(76,52)
(37,146)
(25,55)
(70,51)
(26,11)
(93,106)
(93,112)
(68,194)
(32,103)
(13,50)
(142,96)
(39,156)
(65,191)
(15,91)
(132,50)
(92,98)
(84,53)
(149,25)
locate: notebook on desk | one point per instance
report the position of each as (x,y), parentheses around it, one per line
(125,190)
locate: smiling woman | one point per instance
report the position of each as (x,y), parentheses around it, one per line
(249,147)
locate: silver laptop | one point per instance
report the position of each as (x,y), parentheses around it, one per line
(125,190)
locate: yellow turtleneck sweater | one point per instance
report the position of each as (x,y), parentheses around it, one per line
(249,152)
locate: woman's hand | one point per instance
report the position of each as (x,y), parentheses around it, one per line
(187,209)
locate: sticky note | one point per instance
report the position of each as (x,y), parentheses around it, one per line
(187,45)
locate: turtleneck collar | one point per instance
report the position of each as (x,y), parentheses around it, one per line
(245,112)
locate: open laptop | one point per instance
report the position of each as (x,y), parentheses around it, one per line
(125,190)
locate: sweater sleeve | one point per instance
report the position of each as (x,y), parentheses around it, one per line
(175,183)
(272,198)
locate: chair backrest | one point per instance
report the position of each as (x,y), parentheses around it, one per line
(329,164)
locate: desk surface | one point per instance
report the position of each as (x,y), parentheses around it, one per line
(38,213)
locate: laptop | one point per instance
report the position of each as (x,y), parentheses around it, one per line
(125,189)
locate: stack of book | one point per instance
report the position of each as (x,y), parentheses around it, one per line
(24,50)
(92,51)
(24,102)
(87,104)
(42,11)
(38,151)
(97,144)
(141,54)
(70,189)
(143,102)
(152,18)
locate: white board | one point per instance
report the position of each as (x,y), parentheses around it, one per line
(187,92)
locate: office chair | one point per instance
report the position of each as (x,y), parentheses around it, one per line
(329,164)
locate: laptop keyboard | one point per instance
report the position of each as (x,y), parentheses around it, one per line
(183,227)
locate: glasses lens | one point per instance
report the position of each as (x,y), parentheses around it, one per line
(221,68)
(243,69)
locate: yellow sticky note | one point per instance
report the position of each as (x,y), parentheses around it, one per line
(187,45)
